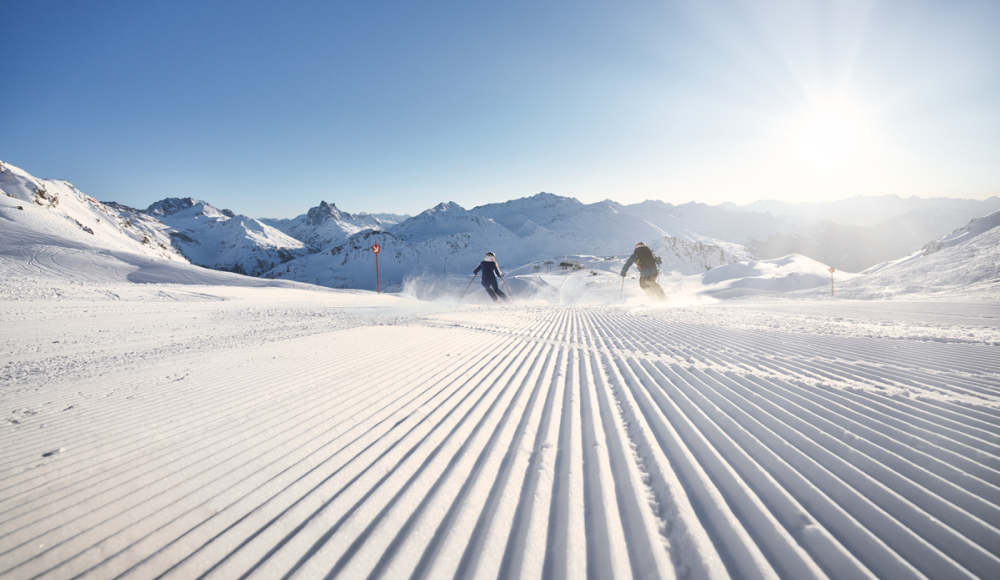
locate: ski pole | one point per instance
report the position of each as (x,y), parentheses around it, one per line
(469,286)
(508,288)
(622,293)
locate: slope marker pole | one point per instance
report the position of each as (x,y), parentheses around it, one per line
(375,250)
(508,288)
(469,286)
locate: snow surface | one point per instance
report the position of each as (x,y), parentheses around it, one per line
(162,419)
(232,426)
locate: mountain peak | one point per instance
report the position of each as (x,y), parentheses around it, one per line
(324,212)
(449,206)
(173,205)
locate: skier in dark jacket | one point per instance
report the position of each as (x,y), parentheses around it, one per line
(644,259)
(490,273)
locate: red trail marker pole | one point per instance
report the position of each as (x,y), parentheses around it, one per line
(376,248)
(832,270)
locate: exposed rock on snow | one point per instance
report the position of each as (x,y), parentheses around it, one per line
(222,240)
(690,258)
(54,211)
(325,225)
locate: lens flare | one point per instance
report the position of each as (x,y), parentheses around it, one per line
(834,134)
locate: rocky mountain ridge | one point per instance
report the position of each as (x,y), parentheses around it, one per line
(331,247)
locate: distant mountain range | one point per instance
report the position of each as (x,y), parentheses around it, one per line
(330,247)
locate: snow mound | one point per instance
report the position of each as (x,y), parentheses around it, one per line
(786,274)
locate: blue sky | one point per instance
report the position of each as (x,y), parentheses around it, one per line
(267,108)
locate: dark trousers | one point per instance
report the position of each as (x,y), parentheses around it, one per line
(652,289)
(493,290)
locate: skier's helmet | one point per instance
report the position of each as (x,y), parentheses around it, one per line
(491,257)
(640,244)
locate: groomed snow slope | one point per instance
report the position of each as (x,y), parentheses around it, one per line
(272,432)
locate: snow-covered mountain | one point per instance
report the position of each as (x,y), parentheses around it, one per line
(965,261)
(325,225)
(449,239)
(964,234)
(52,209)
(332,248)
(223,240)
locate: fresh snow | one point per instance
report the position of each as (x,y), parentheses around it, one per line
(162,419)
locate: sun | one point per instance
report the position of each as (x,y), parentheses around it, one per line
(831,133)
(825,145)
(834,133)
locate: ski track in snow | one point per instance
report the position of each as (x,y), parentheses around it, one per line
(523,442)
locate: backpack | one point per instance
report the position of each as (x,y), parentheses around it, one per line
(645,258)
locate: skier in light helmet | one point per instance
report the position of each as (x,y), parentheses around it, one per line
(490,272)
(644,259)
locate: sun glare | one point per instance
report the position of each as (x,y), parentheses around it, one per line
(832,134)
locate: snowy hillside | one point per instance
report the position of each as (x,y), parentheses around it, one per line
(223,240)
(974,228)
(43,209)
(37,265)
(966,261)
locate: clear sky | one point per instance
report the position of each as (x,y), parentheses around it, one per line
(266,108)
